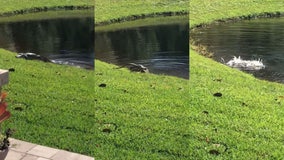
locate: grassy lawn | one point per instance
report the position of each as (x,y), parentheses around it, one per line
(248,118)
(208,10)
(111,10)
(159,117)
(16,5)
(139,116)
(47,15)
(51,105)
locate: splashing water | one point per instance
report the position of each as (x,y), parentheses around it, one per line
(246,64)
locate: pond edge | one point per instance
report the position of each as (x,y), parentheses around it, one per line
(240,18)
(44,9)
(203,50)
(141,16)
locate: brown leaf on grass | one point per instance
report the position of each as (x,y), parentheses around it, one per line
(207,139)
(281,97)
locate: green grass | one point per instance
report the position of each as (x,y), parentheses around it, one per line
(145,108)
(248,118)
(51,104)
(208,10)
(153,117)
(107,11)
(165,20)
(159,117)
(47,15)
(139,116)
(15,5)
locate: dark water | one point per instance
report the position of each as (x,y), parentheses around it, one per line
(65,40)
(262,38)
(163,49)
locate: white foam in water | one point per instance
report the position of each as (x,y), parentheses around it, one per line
(246,64)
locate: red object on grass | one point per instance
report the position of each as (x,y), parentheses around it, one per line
(4,114)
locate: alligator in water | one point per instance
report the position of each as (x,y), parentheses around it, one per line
(32,56)
(135,68)
(138,68)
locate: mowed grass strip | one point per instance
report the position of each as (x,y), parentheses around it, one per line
(207,11)
(153,117)
(111,10)
(139,116)
(51,104)
(246,122)
(17,5)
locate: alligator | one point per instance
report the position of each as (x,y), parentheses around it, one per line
(133,67)
(32,56)
(138,68)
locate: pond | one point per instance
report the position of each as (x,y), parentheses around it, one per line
(64,40)
(160,44)
(251,40)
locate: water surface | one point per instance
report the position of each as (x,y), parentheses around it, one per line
(162,48)
(254,39)
(63,40)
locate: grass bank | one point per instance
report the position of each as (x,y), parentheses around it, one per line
(150,117)
(143,22)
(208,11)
(122,10)
(51,104)
(48,15)
(17,7)
(139,116)
(247,121)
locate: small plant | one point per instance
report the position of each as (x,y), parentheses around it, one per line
(4,114)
